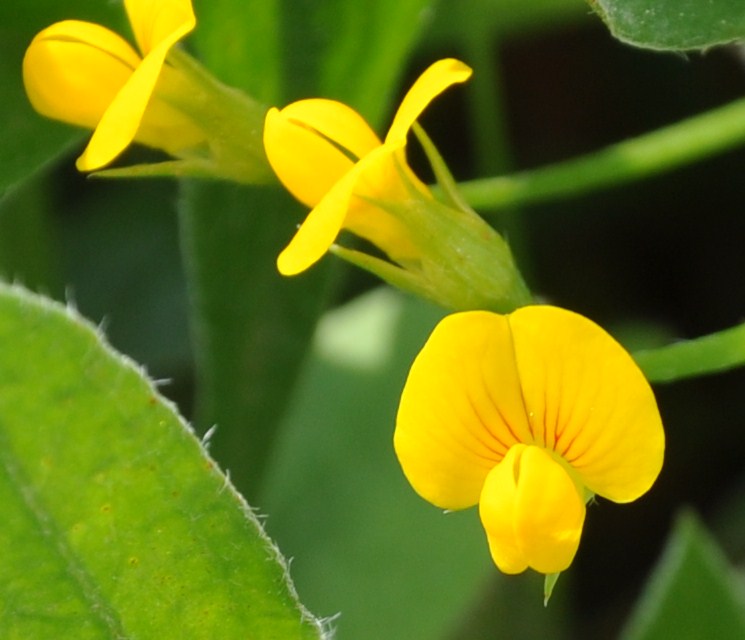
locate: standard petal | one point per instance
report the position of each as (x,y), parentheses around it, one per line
(335,121)
(461,409)
(73,70)
(306,163)
(532,512)
(587,400)
(435,79)
(154,22)
(119,124)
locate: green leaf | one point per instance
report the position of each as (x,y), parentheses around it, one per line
(673,24)
(367,54)
(362,541)
(692,593)
(239,42)
(116,523)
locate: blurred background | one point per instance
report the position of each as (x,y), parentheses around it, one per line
(657,261)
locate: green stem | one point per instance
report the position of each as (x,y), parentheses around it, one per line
(485,101)
(713,353)
(673,146)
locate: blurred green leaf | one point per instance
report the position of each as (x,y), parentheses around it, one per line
(119,248)
(367,50)
(364,544)
(673,24)
(453,21)
(27,250)
(115,521)
(239,41)
(692,592)
(252,327)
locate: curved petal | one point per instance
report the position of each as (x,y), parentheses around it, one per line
(461,409)
(73,70)
(307,164)
(319,230)
(435,79)
(120,122)
(587,400)
(532,512)
(155,22)
(165,127)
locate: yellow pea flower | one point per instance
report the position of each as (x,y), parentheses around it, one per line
(330,159)
(83,74)
(528,415)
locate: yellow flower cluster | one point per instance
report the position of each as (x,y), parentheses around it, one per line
(527,414)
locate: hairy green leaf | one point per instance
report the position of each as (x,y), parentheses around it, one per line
(116,523)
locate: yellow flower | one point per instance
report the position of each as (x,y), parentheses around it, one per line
(83,74)
(527,415)
(331,160)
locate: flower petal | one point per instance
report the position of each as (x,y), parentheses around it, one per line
(306,163)
(155,22)
(319,230)
(380,183)
(119,124)
(73,70)
(532,512)
(435,79)
(336,122)
(461,409)
(587,400)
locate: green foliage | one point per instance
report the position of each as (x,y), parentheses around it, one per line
(116,523)
(692,593)
(250,345)
(115,520)
(673,24)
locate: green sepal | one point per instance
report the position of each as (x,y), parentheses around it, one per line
(232,122)
(165,169)
(442,173)
(387,271)
(548,586)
